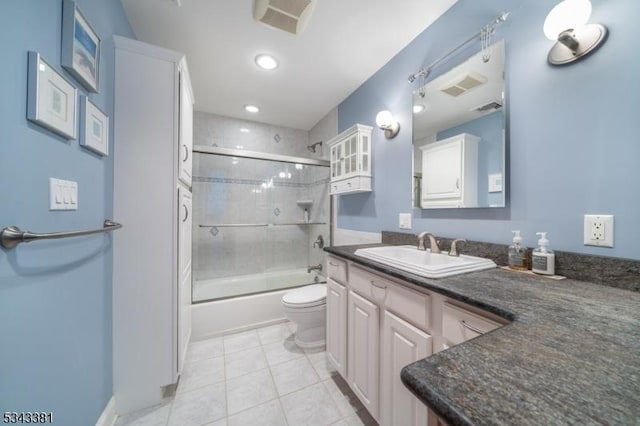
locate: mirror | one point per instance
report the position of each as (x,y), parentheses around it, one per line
(459,136)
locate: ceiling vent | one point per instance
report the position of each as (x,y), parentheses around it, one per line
(286,15)
(493,105)
(463,84)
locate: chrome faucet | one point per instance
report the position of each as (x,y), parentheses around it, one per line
(432,241)
(319,242)
(317,267)
(453,251)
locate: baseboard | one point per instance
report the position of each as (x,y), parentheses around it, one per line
(109,415)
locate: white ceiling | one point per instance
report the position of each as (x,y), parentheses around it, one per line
(344,43)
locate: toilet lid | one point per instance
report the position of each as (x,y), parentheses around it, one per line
(313,294)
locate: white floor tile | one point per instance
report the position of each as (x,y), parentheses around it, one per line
(241,341)
(346,401)
(268,414)
(201,373)
(311,406)
(279,352)
(361,418)
(250,390)
(321,364)
(221,422)
(244,362)
(293,375)
(199,406)
(153,416)
(274,333)
(210,348)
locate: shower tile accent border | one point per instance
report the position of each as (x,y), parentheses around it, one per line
(258,182)
(608,271)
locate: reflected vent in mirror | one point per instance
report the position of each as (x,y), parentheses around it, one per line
(286,15)
(463,84)
(493,105)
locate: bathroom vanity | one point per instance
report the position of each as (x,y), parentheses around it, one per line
(489,347)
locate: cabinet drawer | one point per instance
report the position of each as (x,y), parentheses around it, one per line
(409,305)
(459,325)
(354,184)
(369,285)
(337,269)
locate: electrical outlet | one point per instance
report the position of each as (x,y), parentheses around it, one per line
(598,230)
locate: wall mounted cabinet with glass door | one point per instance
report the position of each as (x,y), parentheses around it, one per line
(351,160)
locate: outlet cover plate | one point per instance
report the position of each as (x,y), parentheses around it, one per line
(598,230)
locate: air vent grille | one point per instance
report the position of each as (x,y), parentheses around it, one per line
(286,15)
(463,84)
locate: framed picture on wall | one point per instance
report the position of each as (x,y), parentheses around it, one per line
(51,99)
(80,47)
(94,127)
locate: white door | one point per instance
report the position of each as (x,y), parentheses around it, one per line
(184,272)
(402,344)
(337,326)
(442,171)
(363,351)
(186,130)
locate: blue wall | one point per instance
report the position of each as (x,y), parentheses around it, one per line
(55,296)
(573,132)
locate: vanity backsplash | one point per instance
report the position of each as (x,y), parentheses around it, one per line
(609,271)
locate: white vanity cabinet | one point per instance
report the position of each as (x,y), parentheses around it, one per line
(389,325)
(449,172)
(350,157)
(152,199)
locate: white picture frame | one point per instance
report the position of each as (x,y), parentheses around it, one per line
(80,47)
(94,127)
(51,98)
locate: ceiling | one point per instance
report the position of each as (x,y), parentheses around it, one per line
(343,44)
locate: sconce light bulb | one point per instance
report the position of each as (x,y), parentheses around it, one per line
(384,119)
(568,14)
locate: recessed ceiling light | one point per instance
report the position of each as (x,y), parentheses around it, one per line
(266,62)
(418,108)
(244,130)
(251,108)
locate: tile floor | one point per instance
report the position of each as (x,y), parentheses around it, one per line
(256,377)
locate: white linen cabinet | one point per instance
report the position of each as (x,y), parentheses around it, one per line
(152,199)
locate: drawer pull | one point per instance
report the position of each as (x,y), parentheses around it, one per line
(334,264)
(373,283)
(470,327)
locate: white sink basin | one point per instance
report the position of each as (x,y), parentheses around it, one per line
(425,263)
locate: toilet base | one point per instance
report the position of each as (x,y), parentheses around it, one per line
(311,338)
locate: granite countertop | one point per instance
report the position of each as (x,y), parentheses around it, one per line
(571,354)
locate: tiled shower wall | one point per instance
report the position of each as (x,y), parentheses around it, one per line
(230,190)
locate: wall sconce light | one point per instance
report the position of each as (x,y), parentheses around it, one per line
(386,122)
(567,24)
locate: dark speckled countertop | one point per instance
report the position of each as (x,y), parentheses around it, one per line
(570,356)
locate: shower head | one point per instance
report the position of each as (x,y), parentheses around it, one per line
(312,147)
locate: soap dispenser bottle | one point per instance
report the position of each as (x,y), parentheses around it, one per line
(518,253)
(542,259)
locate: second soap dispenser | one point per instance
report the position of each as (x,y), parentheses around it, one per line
(543,260)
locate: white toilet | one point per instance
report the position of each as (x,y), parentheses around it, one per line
(307,308)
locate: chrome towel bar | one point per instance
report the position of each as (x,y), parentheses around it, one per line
(11,236)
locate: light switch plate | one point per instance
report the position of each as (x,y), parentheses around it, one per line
(63,194)
(495,182)
(598,230)
(404,220)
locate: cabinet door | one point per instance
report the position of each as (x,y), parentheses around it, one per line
(186,129)
(363,351)
(402,344)
(441,172)
(337,326)
(184,273)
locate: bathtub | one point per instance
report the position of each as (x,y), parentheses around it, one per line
(242,302)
